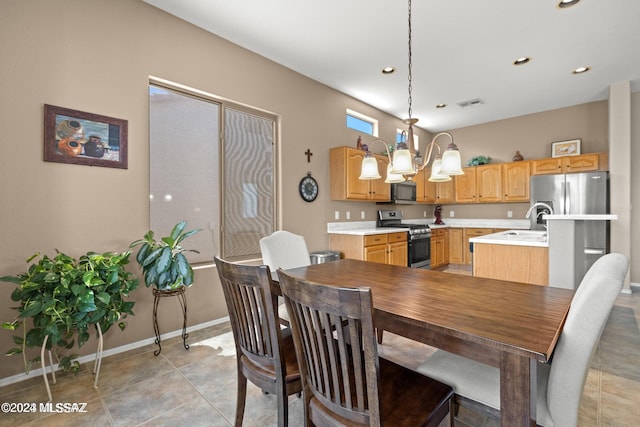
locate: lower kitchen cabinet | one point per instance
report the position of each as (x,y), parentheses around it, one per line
(526,264)
(470,233)
(389,248)
(439,247)
(456,245)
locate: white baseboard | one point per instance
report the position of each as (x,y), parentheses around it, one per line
(110,352)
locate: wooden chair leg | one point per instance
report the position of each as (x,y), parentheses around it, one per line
(453,409)
(283,409)
(241,398)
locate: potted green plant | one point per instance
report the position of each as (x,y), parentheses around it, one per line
(163,261)
(65,297)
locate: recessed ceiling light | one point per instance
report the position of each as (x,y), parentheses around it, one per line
(567,3)
(521,60)
(581,70)
(388,70)
(441,105)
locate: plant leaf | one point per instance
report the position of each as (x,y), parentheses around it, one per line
(31,308)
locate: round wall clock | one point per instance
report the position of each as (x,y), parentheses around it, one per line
(308,188)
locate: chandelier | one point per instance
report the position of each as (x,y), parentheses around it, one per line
(406,160)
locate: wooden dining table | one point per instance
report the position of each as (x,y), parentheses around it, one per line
(509,325)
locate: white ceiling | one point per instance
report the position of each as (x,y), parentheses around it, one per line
(462,50)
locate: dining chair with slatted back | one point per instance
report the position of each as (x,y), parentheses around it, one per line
(265,353)
(559,384)
(344,380)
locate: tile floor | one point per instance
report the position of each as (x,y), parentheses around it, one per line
(197,387)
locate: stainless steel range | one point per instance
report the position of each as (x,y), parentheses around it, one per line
(419,238)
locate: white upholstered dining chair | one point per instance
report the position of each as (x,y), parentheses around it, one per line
(560,383)
(283,249)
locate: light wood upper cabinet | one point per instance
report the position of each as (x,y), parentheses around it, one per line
(515,181)
(445,192)
(568,164)
(465,186)
(586,162)
(489,183)
(345,167)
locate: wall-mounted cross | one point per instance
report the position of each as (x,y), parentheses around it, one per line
(308,153)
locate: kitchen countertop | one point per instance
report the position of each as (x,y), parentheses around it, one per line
(514,238)
(363,228)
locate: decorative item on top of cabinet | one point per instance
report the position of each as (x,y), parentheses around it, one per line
(517,157)
(344,170)
(478,160)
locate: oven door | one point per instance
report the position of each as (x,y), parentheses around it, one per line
(420,251)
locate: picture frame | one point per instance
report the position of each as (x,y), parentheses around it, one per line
(569,147)
(81,138)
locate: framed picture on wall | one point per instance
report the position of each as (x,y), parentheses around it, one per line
(565,148)
(81,138)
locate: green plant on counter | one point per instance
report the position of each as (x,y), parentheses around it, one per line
(163,261)
(65,297)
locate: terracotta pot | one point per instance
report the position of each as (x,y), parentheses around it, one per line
(70,146)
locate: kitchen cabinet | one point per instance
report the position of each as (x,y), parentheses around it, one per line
(425,190)
(439,247)
(480,184)
(489,183)
(385,248)
(344,171)
(468,234)
(526,264)
(456,246)
(444,192)
(465,186)
(516,181)
(568,164)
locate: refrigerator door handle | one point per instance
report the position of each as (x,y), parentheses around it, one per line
(567,198)
(588,251)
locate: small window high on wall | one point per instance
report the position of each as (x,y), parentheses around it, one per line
(362,123)
(211,164)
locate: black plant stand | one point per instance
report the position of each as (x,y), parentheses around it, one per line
(157,294)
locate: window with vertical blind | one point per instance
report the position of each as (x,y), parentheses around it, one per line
(211,164)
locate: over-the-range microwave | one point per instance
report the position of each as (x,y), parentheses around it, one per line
(403,192)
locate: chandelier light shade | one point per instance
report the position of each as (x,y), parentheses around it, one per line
(393,177)
(451,164)
(436,174)
(369,167)
(407,161)
(402,163)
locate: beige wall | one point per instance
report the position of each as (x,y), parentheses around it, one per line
(97,56)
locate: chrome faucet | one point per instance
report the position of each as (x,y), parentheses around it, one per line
(535,205)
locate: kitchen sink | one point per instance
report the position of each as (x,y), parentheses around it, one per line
(525,235)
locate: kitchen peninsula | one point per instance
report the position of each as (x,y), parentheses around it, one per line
(556,257)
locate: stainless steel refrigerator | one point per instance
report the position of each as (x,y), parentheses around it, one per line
(575,194)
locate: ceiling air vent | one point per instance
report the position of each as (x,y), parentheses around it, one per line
(470,103)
